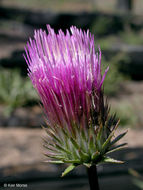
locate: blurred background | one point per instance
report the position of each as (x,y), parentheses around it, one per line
(118,29)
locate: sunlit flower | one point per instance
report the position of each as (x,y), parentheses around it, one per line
(66,72)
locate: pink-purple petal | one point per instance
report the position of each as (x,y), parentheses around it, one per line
(65,70)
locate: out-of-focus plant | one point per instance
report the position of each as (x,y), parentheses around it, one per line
(115,77)
(131,37)
(125,112)
(137,178)
(106,42)
(101,26)
(15,91)
(124,37)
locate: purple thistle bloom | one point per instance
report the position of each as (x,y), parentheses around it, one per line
(66,72)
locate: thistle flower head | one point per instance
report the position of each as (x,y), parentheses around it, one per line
(66,72)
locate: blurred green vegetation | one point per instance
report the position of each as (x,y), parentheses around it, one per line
(126,113)
(15,91)
(108,33)
(114,77)
(106,42)
(124,109)
(61,5)
(101,26)
(48,5)
(131,37)
(137,178)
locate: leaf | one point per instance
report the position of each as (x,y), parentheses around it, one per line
(107,142)
(83,134)
(55,162)
(83,142)
(68,169)
(47,147)
(75,144)
(116,148)
(95,155)
(62,149)
(99,133)
(91,144)
(54,156)
(51,134)
(84,156)
(138,183)
(118,137)
(112,160)
(65,132)
(87,165)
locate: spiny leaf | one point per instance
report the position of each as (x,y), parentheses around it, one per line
(76,129)
(51,134)
(54,161)
(65,138)
(98,145)
(138,183)
(107,142)
(49,148)
(84,157)
(65,132)
(83,143)
(91,144)
(74,153)
(62,149)
(99,133)
(112,120)
(48,143)
(116,126)
(83,134)
(68,169)
(87,164)
(118,137)
(119,147)
(98,138)
(95,155)
(75,143)
(112,160)
(57,157)
(115,149)
(45,140)
(76,148)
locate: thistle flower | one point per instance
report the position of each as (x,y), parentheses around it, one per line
(66,72)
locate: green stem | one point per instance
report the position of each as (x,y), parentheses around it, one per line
(93,178)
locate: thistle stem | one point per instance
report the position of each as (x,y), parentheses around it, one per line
(93,178)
